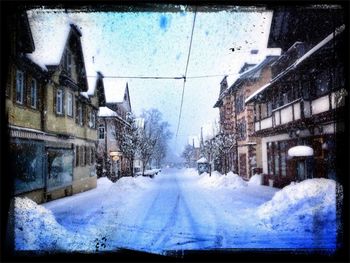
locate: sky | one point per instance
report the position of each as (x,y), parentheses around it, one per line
(157,44)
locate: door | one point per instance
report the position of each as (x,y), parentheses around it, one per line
(243,165)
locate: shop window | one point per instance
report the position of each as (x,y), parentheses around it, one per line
(60,167)
(33,94)
(19,86)
(276,159)
(27,165)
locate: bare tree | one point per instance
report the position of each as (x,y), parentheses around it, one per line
(187,154)
(153,137)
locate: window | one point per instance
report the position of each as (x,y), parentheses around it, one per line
(101,131)
(269,108)
(33,94)
(26,164)
(81,156)
(60,167)
(257,112)
(69,104)
(59,101)
(19,86)
(67,63)
(239,103)
(80,114)
(241,129)
(263,110)
(92,119)
(322,83)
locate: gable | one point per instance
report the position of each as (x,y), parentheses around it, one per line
(72,60)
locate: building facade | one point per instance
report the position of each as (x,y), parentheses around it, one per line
(112,121)
(237,118)
(304,102)
(51,121)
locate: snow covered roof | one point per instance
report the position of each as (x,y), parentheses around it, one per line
(106,112)
(299,61)
(49,40)
(114,90)
(301,150)
(202,160)
(91,84)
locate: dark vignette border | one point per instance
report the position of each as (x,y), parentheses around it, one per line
(8,8)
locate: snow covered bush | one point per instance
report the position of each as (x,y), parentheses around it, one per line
(257,179)
(307,206)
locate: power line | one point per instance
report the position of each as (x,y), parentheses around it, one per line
(184,83)
(138,77)
(162,77)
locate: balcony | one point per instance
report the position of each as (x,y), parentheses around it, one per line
(300,110)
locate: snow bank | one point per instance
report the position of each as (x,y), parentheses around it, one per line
(134,183)
(217,180)
(309,205)
(35,228)
(256,179)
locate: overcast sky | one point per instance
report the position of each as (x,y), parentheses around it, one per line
(157,44)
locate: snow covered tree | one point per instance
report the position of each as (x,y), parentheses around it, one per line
(187,154)
(222,144)
(153,138)
(128,140)
(210,151)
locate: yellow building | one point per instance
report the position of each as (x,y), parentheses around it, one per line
(51,114)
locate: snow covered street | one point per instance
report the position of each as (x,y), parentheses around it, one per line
(178,210)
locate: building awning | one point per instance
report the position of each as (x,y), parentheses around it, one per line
(300,151)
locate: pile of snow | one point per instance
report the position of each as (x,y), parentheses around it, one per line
(309,206)
(104,183)
(217,180)
(133,183)
(257,179)
(35,228)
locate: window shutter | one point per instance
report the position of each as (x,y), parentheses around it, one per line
(76,112)
(76,156)
(63,102)
(54,100)
(27,90)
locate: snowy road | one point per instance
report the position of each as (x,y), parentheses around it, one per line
(175,211)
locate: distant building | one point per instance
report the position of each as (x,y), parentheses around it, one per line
(304,102)
(52,120)
(112,119)
(237,118)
